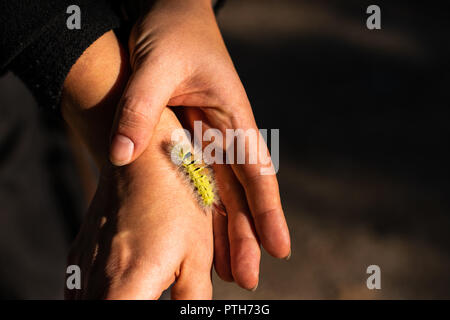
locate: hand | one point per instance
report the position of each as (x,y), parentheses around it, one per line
(144,230)
(178,58)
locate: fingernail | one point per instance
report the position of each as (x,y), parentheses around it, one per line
(288,256)
(121,150)
(256,287)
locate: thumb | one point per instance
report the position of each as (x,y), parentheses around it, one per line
(137,114)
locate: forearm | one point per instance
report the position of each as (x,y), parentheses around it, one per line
(91,92)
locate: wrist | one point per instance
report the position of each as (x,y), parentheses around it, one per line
(154,163)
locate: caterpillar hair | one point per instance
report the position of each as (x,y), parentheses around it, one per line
(198,175)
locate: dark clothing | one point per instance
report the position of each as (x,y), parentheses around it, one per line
(38,47)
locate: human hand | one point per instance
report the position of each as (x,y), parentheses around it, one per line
(178,58)
(144,231)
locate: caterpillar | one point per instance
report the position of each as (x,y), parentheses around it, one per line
(200,176)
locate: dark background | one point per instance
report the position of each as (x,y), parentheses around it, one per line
(363,118)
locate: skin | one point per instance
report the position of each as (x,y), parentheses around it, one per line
(144,229)
(178,58)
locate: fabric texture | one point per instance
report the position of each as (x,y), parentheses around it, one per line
(39,48)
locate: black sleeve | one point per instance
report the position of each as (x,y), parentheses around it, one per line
(36,44)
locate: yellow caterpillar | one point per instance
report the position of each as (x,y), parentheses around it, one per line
(200,175)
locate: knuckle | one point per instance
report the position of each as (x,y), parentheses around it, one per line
(254,179)
(201,262)
(242,240)
(134,115)
(119,261)
(268,212)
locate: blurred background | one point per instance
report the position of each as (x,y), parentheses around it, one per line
(364,178)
